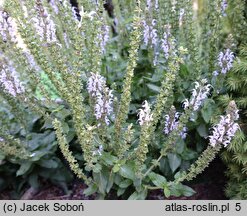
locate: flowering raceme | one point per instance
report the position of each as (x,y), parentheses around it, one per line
(95,84)
(144,114)
(225,130)
(102,96)
(150,33)
(44,25)
(167,42)
(199,94)
(7,27)
(104,37)
(224,6)
(54,6)
(98,151)
(150,4)
(9,80)
(225,61)
(172,122)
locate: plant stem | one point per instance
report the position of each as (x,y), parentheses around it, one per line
(163,154)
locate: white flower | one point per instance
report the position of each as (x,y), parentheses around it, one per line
(98,151)
(91,15)
(224,5)
(150,33)
(144,114)
(153,34)
(215,73)
(104,37)
(183,133)
(95,84)
(1,139)
(54,6)
(149,4)
(174,5)
(172,122)
(103,106)
(168,43)
(225,61)
(74,12)
(181,16)
(199,94)
(223,131)
(156,4)
(145,32)
(32,155)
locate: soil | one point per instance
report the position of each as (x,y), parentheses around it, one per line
(208,186)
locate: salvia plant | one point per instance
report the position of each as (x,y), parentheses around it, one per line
(69,45)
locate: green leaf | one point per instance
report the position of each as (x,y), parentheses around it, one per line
(120,191)
(167,192)
(164,166)
(117,179)
(71,134)
(116,168)
(153,87)
(108,159)
(97,168)
(62,113)
(25,167)
(178,175)
(208,110)
(125,183)
(200,146)
(32,119)
(180,145)
(90,190)
(187,191)
(139,196)
(157,179)
(133,196)
(65,127)
(61,174)
(2,156)
(138,184)
(41,140)
(33,180)
(174,161)
(127,171)
(189,154)
(51,164)
(110,182)
(175,190)
(202,130)
(101,179)
(48,124)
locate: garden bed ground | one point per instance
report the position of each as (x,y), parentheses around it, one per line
(208,186)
